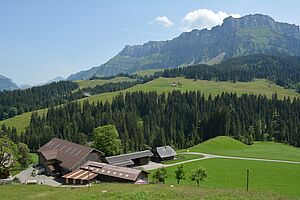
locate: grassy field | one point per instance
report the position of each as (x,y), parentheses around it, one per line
(148,72)
(279,178)
(131,192)
(282,178)
(94,83)
(180,158)
(21,121)
(161,85)
(231,147)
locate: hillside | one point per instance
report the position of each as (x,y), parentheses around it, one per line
(230,147)
(247,35)
(95,82)
(230,173)
(160,85)
(7,84)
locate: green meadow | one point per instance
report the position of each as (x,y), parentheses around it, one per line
(230,147)
(281,178)
(93,83)
(132,192)
(160,85)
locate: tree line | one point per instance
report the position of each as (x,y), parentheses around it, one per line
(282,70)
(19,101)
(146,120)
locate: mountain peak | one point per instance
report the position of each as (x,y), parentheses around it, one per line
(250,34)
(249,21)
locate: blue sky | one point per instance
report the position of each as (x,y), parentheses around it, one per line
(40,40)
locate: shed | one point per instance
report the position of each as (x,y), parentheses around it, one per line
(130,159)
(164,153)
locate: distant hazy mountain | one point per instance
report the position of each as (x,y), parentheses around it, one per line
(7,84)
(247,35)
(56,79)
(25,86)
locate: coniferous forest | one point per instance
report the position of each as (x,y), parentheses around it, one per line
(146,120)
(19,101)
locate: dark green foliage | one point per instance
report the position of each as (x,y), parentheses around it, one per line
(19,101)
(179,173)
(146,120)
(23,153)
(107,140)
(160,175)
(198,175)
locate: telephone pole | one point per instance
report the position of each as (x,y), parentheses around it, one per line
(247,179)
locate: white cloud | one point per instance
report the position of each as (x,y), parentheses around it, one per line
(203,18)
(163,20)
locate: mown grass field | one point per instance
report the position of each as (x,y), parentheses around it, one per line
(94,83)
(131,192)
(161,85)
(281,178)
(148,72)
(21,121)
(182,157)
(230,147)
(262,87)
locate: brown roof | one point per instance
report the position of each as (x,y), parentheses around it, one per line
(68,153)
(111,170)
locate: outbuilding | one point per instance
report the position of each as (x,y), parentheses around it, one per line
(163,153)
(130,159)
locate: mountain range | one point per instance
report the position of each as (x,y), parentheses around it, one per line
(251,34)
(7,84)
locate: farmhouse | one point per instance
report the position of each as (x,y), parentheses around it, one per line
(130,159)
(164,153)
(105,173)
(60,156)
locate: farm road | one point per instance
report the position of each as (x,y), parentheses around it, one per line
(210,156)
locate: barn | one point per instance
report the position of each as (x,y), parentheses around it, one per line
(104,172)
(164,153)
(130,159)
(59,157)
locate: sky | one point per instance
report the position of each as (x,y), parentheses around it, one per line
(40,40)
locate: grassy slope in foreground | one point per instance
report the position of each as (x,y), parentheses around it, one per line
(160,85)
(282,178)
(230,147)
(129,192)
(94,83)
